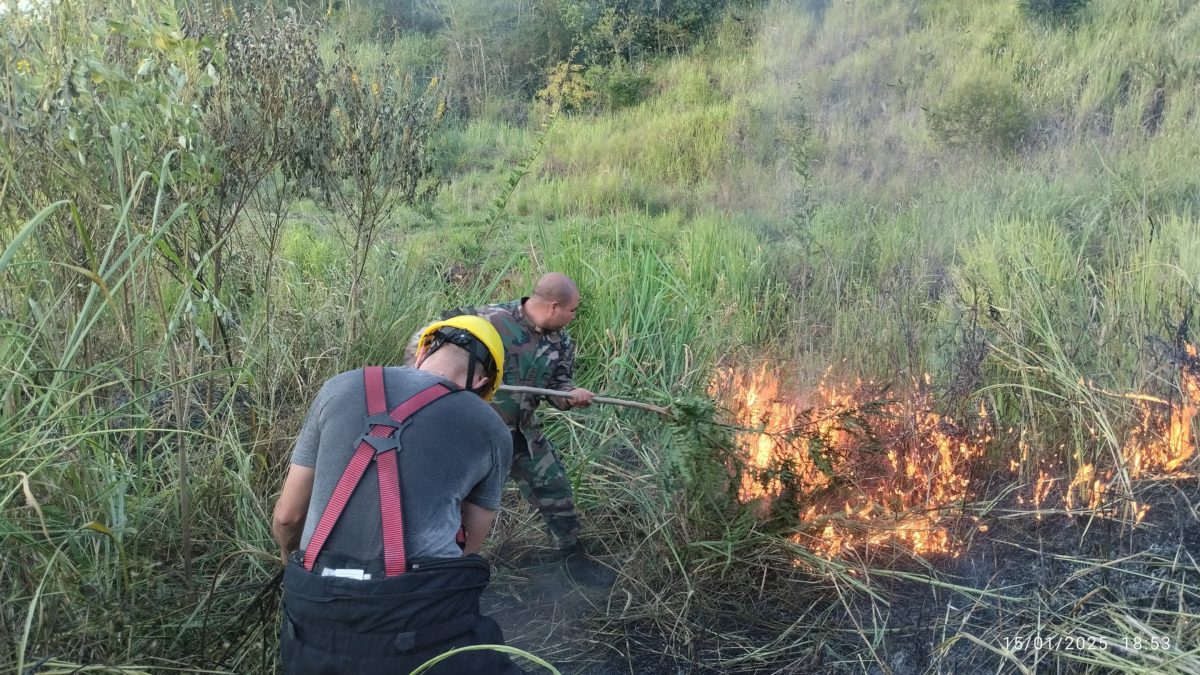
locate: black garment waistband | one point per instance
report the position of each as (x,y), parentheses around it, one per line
(430,594)
(329,560)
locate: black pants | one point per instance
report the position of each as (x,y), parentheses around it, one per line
(336,626)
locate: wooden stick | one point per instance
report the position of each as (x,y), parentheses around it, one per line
(595,399)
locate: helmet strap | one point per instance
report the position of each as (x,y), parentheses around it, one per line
(476,353)
(477,358)
(470,371)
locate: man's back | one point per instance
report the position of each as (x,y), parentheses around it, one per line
(454,449)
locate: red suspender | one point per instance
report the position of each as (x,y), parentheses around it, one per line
(380,445)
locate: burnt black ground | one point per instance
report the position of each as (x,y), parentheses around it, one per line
(1067,571)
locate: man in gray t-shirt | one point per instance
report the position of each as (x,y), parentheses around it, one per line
(351,604)
(455,455)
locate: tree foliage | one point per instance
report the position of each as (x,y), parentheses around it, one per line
(192,115)
(505,49)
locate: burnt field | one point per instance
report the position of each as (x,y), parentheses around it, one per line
(921,545)
(1033,593)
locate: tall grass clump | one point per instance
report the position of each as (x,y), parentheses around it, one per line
(164,318)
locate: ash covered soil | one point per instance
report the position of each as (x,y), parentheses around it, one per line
(1027,595)
(1057,591)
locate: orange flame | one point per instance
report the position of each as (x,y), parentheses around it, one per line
(761,406)
(1150,451)
(1159,444)
(1041,490)
(911,494)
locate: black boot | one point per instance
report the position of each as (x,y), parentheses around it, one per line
(584,569)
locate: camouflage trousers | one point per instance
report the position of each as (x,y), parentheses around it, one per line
(544,483)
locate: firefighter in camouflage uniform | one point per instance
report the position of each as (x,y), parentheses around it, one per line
(539,353)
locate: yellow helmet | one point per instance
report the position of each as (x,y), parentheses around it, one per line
(477,336)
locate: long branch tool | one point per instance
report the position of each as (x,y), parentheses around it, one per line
(595,399)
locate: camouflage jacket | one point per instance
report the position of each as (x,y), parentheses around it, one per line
(532,358)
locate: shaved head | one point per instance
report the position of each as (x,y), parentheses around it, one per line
(554,302)
(556,287)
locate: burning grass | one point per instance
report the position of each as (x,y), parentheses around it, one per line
(861,467)
(1159,443)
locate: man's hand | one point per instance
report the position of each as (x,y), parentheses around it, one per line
(580,397)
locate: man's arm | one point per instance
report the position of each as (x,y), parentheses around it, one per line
(562,379)
(477,521)
(292,508)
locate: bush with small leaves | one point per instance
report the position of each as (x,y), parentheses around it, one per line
(1054,12)
(619,85)
(983,113)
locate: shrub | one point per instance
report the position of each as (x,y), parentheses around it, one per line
(1053,12)
(983,112)
(619,85)
(606,29)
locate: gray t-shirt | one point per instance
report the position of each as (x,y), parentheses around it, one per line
(455,448)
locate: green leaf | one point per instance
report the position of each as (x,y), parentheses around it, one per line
(99,527)
(167,252)
(202,341)
(11,251)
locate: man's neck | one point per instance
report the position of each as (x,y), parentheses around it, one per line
(436,366)
(533,310)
